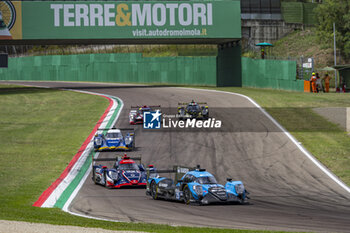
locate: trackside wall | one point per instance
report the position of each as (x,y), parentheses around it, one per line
(273,74)
(133,68)
(123,68)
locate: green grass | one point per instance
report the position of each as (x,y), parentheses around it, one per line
(294,45)
(40,131)
(293,110)
(297,44)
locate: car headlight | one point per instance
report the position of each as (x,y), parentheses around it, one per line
(128,140)
(113,175)
(239,188)
(198,189)
(98,141)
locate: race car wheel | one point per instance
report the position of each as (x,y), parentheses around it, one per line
(94,176)
(241,199)
(187,195)
(105,177)
(154,190)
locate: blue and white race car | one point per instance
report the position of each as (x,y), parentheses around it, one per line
(195,186)
(113,139)
(125,173)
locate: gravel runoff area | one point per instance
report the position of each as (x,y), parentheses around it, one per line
(15,226)
(339,116)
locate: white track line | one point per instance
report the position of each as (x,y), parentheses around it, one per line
(305,152)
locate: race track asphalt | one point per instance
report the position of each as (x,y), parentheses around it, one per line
(288,191)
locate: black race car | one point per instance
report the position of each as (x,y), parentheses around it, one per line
(193,110)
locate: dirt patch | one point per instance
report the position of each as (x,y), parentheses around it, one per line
(334,115)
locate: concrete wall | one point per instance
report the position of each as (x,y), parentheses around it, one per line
(271,27)
(255,31)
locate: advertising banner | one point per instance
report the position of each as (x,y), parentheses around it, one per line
(119,19)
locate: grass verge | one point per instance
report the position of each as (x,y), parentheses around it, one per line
(40,131)
(293,110)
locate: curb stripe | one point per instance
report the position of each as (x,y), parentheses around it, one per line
(84,168)
(46,194)
(53,198)
(71,187)
(82,181)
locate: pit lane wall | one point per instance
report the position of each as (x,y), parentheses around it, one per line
(273,74)
(121,68)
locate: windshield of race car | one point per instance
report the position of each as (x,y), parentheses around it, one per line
(128,166)
(206,180)
(192,108)
(114,135)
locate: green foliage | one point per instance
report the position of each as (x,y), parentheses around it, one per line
(251,54)
(338,12)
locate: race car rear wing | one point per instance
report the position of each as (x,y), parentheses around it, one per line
(124,129)
(189,103)
(121,129)
(179,171)
(128,129)
(151,106)
(119,157)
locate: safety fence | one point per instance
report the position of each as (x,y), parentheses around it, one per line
(299,12)
(118,67)
(275,74)
(133,68)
